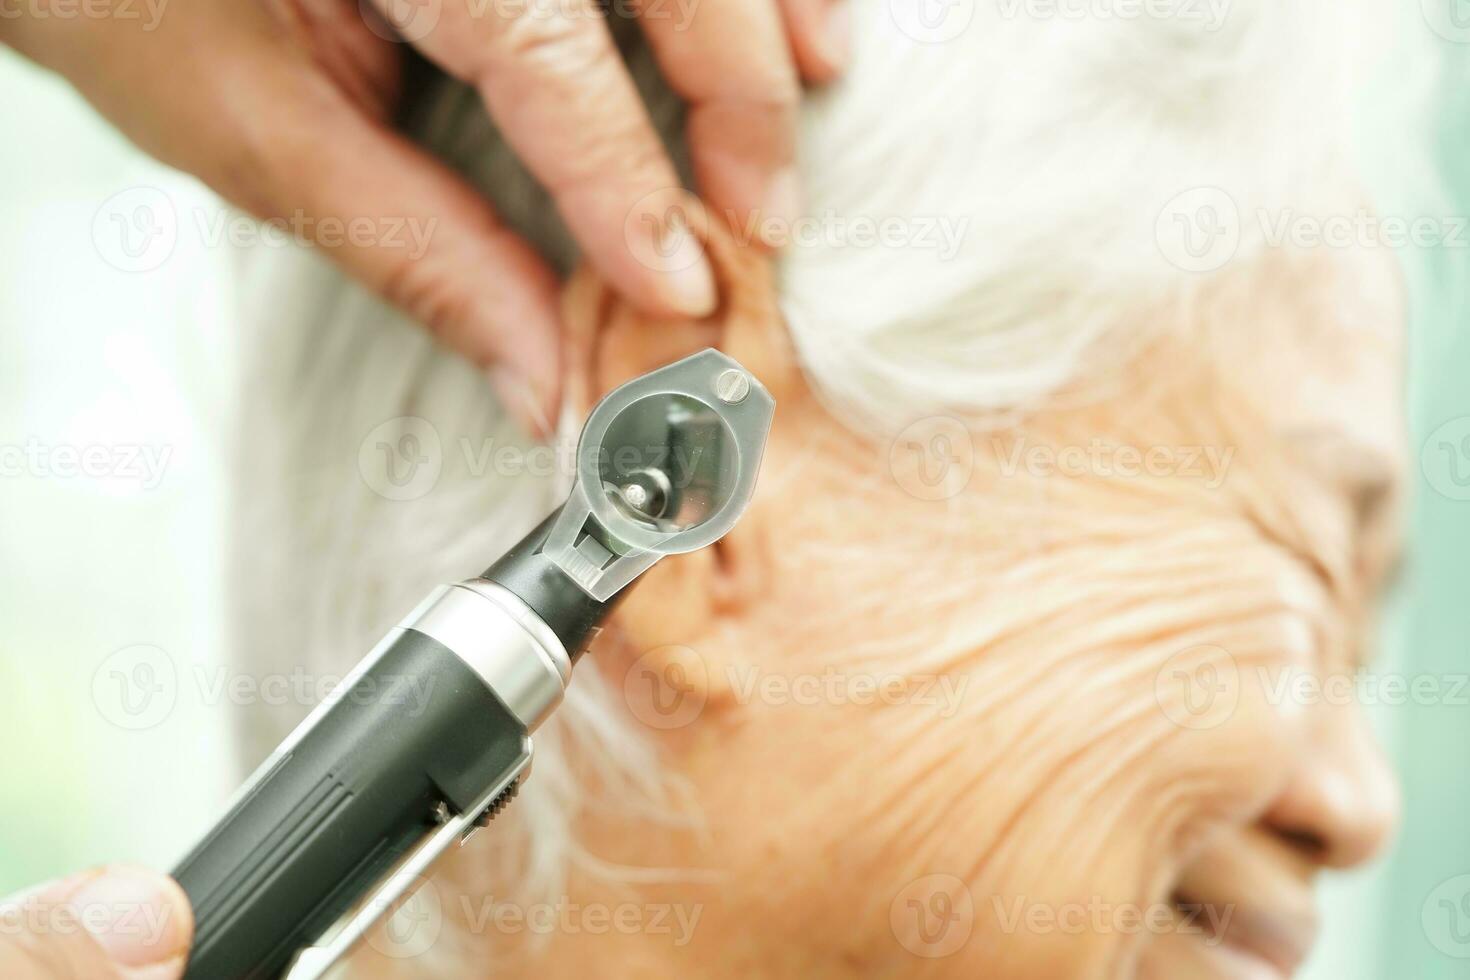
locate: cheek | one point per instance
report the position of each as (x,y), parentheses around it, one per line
(1022,798)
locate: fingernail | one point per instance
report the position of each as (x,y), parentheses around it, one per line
(135,915)
(837,35)
(691,289)
(520,400)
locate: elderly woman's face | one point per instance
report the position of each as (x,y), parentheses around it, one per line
(1060,700)
(1068,698)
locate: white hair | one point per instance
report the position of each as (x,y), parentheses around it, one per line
(1054,143)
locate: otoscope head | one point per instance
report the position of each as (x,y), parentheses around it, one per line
(666,464)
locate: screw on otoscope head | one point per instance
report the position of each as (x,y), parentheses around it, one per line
(732,386)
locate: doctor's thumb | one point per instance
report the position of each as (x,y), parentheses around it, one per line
(117,922)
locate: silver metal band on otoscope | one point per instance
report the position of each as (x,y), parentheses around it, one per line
(500,639)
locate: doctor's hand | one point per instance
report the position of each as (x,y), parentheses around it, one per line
(283,107)
(112,923)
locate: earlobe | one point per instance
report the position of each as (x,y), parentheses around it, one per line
(669,687)
(663,630)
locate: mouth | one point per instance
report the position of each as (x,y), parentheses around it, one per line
(1263,936)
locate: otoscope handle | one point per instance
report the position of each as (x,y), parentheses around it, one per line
(437,716)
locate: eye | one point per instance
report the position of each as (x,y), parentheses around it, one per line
(1367,477)
(1372,485)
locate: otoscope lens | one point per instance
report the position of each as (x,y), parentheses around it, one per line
(667,462)
(646,495)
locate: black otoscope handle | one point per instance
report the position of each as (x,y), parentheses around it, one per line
(339,803)
(432,721)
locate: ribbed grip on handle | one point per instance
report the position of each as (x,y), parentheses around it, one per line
(347,795)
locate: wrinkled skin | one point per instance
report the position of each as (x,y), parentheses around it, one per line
(1084,764)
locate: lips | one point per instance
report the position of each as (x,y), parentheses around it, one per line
(1252,899)
(1275,939)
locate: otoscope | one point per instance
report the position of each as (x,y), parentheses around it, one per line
(360,800)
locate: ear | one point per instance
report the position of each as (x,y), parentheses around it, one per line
(682,598)
(609,342)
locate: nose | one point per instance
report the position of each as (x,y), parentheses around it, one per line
(1341,804)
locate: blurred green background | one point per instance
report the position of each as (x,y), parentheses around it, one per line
(92,356)
(107,575)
